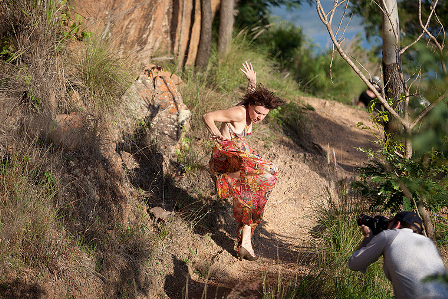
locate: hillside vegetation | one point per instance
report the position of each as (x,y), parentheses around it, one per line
(74,224)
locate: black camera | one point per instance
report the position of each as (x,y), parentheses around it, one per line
(376,224)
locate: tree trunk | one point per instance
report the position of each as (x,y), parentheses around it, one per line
(393,82)
(225,26)
(429,227)
(205,40)
(424,214)
(391,48)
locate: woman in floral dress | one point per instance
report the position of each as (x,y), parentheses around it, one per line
(238,171)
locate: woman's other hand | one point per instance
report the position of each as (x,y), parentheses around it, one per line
(248,70)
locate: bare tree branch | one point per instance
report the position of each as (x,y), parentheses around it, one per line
(327,18)
(323,17)
(424,27)
(427,109)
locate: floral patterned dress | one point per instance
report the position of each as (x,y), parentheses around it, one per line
(257,178)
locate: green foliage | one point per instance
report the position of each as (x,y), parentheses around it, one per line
(281,40)
(7,48)
(74,26)
(433,133)
(336,82)
(424,176)
(252,13)
(324,75)
(441,228)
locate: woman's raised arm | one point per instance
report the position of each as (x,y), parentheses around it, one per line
(251,76)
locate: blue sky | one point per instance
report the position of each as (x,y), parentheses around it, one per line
(312,26)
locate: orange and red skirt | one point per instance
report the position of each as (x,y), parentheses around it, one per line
(251,190)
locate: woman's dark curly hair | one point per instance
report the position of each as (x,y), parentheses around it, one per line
(261,96)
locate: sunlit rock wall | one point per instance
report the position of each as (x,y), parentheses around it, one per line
(149,29)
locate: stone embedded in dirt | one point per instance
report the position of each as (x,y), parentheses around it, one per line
(160,214)
(67,130)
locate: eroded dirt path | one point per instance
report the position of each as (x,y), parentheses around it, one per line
(283,241)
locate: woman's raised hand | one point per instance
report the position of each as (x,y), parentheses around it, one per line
(251,75)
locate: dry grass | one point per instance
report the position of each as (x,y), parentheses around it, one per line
(55,214)
(32,90)
(33,71)
(28,217)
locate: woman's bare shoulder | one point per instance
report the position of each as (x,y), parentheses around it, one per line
(236,113)
(239,109)
(232,114)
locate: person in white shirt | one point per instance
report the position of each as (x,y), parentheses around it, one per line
(409,257)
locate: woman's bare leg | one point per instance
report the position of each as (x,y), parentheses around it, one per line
(246,242)
(236,176)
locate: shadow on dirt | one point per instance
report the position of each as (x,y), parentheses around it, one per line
(270,246)
(208,215)
(19,289)
(295,122)
(181,285)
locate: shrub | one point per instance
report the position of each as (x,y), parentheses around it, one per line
(424,176)
(101,76)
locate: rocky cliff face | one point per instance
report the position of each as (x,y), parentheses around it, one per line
(148,29)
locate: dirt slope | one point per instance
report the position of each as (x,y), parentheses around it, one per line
(283,238)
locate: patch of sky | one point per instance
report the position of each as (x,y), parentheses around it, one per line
(308,19)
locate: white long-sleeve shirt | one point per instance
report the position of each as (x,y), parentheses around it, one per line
(408,258)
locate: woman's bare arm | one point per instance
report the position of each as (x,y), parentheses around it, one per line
(235,115)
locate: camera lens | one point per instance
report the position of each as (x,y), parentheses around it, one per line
(364,219)
(376,224)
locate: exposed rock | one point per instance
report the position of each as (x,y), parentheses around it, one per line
(144,27)
(154,98)
(160,214)
(67,130)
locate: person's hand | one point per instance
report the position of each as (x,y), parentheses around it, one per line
(251,75)
(365,230)
(218,137)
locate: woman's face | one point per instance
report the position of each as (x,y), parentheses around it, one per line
(257,113)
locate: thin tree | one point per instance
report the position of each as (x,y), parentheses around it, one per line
(226,20)
(205,40)
(393,77)
(396,88)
